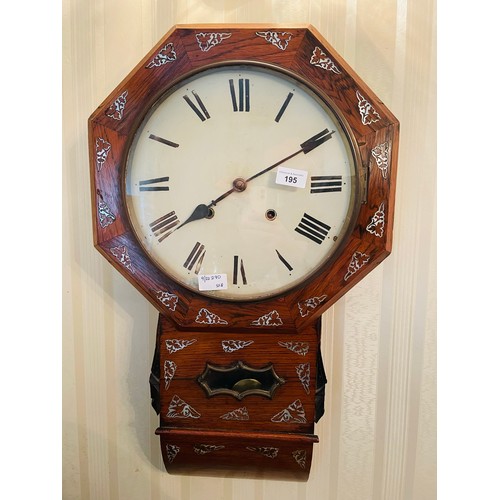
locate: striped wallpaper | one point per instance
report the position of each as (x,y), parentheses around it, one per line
(377,439)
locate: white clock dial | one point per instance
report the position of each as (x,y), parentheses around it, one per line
(241,172)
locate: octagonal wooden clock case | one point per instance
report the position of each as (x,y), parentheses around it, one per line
(242,180)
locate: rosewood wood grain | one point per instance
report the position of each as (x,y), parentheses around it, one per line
(256,436)
(250,455)
(306,55)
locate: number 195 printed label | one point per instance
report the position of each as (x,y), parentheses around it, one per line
(212,282)
(291,177)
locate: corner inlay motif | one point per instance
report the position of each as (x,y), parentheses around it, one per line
(377,223)
(169,368)
(279,40)
(266,451)
(368,113)
(102,149)
(300,348)
(238,414)
(172,451)
(321,60)
(106,217)
(117,109)
(169,300)
(293,413)
(382,154)
(165,55)
(203,449)
(270,319)
(304,373)
(174,345)
(206,41)
(121,253)
(178,408)
(358,260)
(205,317)
(235,345)
(300,457)
(308,305)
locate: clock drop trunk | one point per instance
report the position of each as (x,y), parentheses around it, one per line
(237,404)
(195,162)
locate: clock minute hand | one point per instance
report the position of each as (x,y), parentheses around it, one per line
(202,211)
(305,147)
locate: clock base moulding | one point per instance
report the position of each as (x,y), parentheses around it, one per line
(244,455)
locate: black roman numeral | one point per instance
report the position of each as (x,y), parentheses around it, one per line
(163,141)
(202,111)
(326,183)
(195,257)
(238,268)
(284,261)
(242,102)
(313,229)
(283,107)
(163,226)
(145,185)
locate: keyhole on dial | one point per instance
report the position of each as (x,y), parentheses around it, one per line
(271,214)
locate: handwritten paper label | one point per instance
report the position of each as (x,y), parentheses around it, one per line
(291,177)
(208,282)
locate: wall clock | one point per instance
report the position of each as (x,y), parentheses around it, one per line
(242,180)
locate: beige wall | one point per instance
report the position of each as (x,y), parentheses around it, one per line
(377,440)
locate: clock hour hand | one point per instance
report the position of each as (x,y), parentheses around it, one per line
(203,211)
(200,212)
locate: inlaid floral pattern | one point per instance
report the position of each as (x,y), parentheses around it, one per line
(117,108)
(278,39)
(206,41)
(165,55)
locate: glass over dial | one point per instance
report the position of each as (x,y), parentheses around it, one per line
(241,183)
